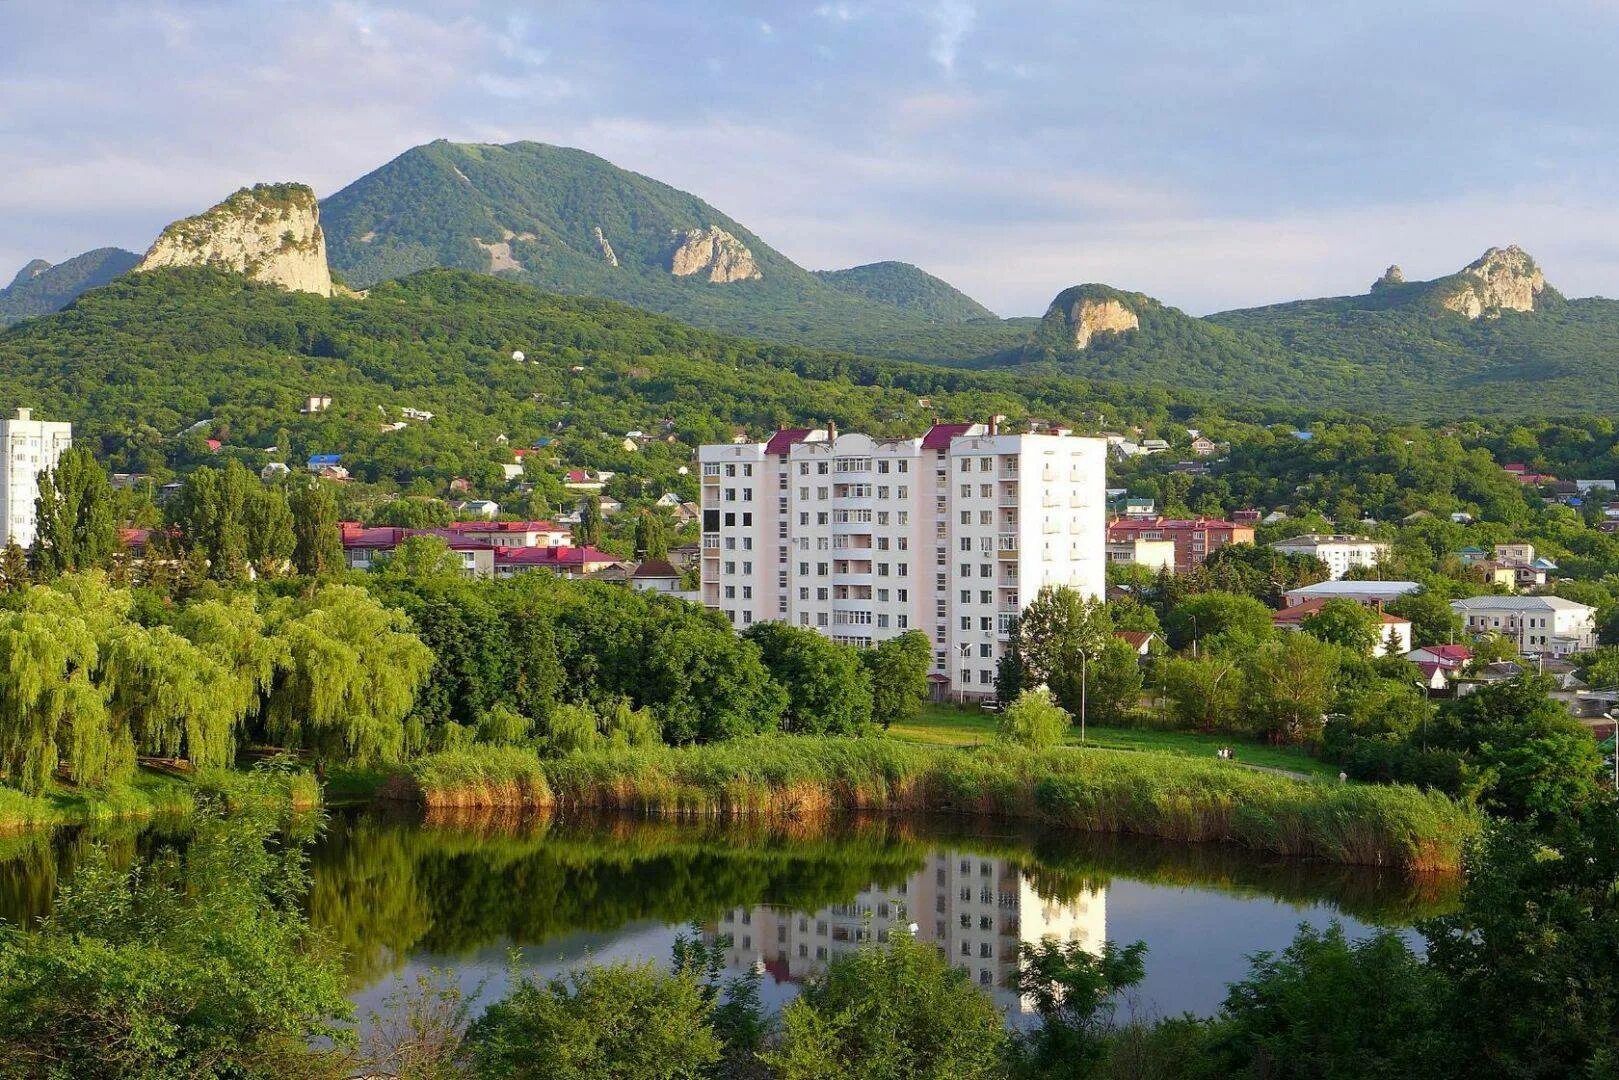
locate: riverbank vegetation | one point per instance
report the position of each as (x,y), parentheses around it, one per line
(1104,791)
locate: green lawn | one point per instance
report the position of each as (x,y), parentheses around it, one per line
(951,725)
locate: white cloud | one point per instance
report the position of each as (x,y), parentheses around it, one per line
(952,21)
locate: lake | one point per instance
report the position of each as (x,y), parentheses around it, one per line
(401,895)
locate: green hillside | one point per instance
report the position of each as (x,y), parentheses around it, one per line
(138,362)
(532,212)
(40,288)
(909,288)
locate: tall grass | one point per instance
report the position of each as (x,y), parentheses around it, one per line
(152,793)
(1177,798)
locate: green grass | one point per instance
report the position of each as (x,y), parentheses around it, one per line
(1172,796)
(952,725)
(150,793)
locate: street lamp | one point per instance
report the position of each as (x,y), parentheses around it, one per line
(1189,615)
(1083,683)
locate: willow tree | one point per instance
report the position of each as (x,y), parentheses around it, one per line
(352,671)
(172,698)
(51,710)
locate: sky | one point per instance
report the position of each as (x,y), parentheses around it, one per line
(1213,154)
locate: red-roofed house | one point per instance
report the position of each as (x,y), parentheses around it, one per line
(567,561)
(1293,618)
(362,546)
(1195,539)
(1451,657)
(504,534)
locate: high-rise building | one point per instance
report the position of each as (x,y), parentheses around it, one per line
(860,538)
(31,447)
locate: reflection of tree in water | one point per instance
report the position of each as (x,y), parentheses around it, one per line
(34,864)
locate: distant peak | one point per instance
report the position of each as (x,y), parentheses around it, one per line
(31,271)
(1502,279)
(1392,276)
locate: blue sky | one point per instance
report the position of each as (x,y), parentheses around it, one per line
(1212,154)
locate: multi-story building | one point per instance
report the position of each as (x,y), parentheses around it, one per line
(31,447)
(1535,624)
(1340,553)
(1153,554)
(1195,539)
(976,910)
(951,533)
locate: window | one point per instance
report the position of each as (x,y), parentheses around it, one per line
(882,466)
(966,517)
(966,543)
(904,467)
(904,596)
(966,465)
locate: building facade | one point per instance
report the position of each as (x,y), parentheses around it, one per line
(1195,539)
(1535,624)
(31,447)
(1340,553)
(862,539)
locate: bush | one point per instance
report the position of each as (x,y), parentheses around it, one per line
(1033,721)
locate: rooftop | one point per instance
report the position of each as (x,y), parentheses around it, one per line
(1355,588)
(1141,524)
(1517,603)
(1312,539)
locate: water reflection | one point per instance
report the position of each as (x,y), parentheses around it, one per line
(398,893)
(978,910)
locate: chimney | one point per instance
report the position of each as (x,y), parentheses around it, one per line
(831,430)
(995,423)
(25,414)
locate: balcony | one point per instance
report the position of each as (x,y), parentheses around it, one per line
(1006,545)
(711,481)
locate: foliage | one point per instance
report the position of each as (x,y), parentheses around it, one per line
(898,667)
(1346,623)
(613,1020)
(75,524)
(828,688)
(1033,721)
(1212,614)
(202,964)
(890,1011)
(1048,642)
(1072,991)
(1290,683)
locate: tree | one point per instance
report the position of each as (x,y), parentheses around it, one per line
(1535,759)
(1113,682)
(200,964)
(423,557)
(1211,614)
(1033,721)
(318,544)
(1290,683)
(1073,992)
(615,1020)
(1052,641)
(14,575)
(76,528)
(1346,623)
(651,536)
(352,671)
(1206,693)
(211,514)
(828,688)
(1433,622)
(898,1010)
(899,668)
(270,538)
(588,531)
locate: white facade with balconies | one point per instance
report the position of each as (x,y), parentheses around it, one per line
(864,538)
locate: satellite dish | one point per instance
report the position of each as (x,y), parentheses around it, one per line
(518,355)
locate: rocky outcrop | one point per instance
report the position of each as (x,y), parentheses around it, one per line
(713,252)
(1086,316)
(1392,276)
(604,247)
(1502,279)
(29,272)
(269,232)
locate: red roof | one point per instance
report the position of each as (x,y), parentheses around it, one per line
(577,476)
(1136,639)
(556,556)
(1449,655)
(214,445)
(783,440)
(939,435)
(656,568)
(388,537)
(1146,524)
(506,526)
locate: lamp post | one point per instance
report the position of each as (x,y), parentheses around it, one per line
(1194,634)
(1084,683)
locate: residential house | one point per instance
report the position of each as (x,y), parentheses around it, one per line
(1139,508)
(1194,539)
(274,470)
(317,462)
(570,562)
(316,403)
(1362,592)
(683,555)
(1450,657)
(363,546)
(1535,624)
(508,534)
(1153,554)
(1340,553)
(487,509)
(584,480)
(1203,446)
(1139,640)
(656,575)
(1587,486)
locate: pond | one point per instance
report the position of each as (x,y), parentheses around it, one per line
(401,895)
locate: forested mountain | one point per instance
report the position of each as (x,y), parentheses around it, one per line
(909,288)
(40,288)
(136,364)
(571,222)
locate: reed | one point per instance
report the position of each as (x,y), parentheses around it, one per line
(1166,796)
(154,793)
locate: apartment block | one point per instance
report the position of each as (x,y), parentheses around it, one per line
(1341,554)
(31,447)
(860,538)
(1195,539)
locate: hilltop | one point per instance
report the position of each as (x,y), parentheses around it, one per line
(570,222)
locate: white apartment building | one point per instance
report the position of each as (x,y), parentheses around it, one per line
(31,447)
(1535,624)
(951,533)
(1340,553)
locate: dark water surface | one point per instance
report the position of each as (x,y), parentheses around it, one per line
(400,895)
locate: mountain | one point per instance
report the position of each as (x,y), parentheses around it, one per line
(571,222)
(40,288)
(908,288)
(270,233)
(1492,337)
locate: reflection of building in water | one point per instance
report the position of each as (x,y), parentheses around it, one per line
(978,911)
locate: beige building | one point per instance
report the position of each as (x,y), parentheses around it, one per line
(31,447)
(1155,555)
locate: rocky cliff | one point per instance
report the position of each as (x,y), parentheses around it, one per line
(714,252)
(1502,279)
(270,233)
(1084,316)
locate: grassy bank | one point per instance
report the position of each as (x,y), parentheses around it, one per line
(1161,795)
(153,792)
(953,725)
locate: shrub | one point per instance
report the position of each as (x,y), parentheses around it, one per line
(1033,721)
